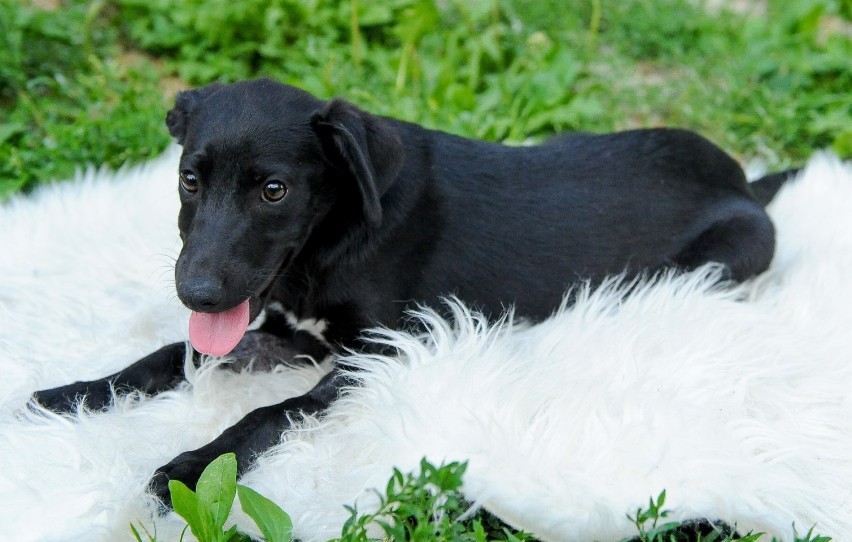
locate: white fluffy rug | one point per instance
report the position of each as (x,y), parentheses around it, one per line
(738,403)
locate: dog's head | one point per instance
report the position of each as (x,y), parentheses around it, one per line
(264,166)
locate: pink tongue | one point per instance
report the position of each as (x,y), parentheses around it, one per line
(218,333)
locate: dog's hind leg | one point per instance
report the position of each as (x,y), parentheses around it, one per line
(738,234)
(256,432)
(156,372)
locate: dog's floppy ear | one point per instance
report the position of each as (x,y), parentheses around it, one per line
(364,145)
(185,102)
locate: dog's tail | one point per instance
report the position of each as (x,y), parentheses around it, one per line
(765,188)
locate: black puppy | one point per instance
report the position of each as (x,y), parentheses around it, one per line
(317,209)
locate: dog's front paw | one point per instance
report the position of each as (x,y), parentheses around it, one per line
(66,398)
(187,468)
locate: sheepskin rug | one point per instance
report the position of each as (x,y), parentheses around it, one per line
(737,402)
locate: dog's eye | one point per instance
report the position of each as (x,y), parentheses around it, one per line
(188,181)
(274,191)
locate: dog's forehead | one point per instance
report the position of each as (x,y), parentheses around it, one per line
(244,126)
(259,104)
(247,123)
(251,141)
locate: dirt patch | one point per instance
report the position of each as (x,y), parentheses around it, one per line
(46,5)
(744,7)
(170,84)
(831,25)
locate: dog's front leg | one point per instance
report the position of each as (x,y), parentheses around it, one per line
(156,372)
(163,370)
(256,432)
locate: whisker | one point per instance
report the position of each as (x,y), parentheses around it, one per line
(170,258)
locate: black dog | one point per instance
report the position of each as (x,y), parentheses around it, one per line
(317,209)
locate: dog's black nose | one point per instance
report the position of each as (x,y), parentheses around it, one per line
(201,294)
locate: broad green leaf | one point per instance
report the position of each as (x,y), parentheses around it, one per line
(196,514)
(217,488)
(272,521)
(231,535)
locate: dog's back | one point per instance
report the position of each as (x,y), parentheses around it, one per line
(502,226)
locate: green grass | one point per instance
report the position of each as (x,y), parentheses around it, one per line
(426,506)
(67,100)
(90,82)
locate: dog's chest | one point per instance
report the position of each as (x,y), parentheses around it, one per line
(314,325)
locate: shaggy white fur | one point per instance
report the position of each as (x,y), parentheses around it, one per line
(737,402)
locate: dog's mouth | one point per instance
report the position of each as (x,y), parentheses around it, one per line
(218,333)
